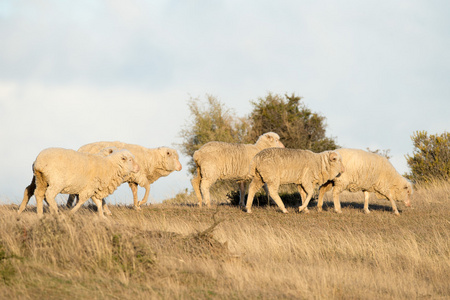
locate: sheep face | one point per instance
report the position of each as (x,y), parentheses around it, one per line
(170,159)
(403,192)
(336,165)
(272,139)
(128,161)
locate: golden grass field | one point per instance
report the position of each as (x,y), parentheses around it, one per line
(179,251)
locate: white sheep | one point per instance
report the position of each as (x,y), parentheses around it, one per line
(154,163)
(304,168)
(370,173)
(219,160)
(65,171)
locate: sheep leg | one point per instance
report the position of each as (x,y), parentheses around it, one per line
(366,202)
(196,185)
(302,195)
(241,193)
(70,200)
(394,206)
(309,192)
(273,192)
(98,202)
(50,195)
(266,190)
(134,190)
(322,190)
(106,208)
(29,191)
(337,203)
(81,199)
(39,193)
(204,188)
(254,186)
(147,193)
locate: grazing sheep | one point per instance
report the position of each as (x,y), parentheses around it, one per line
(281,166)
(154,163)
(370,173)
(219,160)
(65,171)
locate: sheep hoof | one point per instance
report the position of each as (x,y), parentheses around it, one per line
(285,211)
(396,213)
(319,209)
(367,212)
(249,211)
(339,211)
(137,207)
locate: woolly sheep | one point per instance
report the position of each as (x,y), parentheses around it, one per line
(219,160)
(65,171)
(155,163)
(370,173)
(281,166)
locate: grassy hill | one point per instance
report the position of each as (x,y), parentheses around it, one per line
(179,251)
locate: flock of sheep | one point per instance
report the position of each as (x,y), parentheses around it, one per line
(97,169)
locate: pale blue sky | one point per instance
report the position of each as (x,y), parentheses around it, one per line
(74,72)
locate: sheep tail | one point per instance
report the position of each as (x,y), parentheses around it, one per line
(252,169)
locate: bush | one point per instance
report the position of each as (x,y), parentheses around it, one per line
(296,124)
(430,158)
(213,122)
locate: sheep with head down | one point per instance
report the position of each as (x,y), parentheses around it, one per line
(370,173)
(154,162)
(58,170)
(304,168)
(218,161)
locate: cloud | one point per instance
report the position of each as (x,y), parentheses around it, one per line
(76,72)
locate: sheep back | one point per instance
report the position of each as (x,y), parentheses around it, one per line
(74,172)
(371,172)
(222,160)
(154,163)
(283,166)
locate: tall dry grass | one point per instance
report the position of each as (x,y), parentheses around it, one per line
(179,251)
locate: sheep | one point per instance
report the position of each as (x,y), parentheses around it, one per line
(219,160)
(155,163)
(65,171)
(370,173)
(29,191)
(304,168)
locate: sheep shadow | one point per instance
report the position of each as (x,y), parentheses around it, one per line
(359,206)
(292,200)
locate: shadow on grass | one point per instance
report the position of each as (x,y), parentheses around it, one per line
(329,206)
(293,200)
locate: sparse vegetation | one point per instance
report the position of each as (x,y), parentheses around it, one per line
(210,122)
(430,160)
(298,126)
(169,251)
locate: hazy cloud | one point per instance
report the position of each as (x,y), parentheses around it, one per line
(77,72)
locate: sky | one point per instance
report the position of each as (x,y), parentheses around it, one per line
(76,72)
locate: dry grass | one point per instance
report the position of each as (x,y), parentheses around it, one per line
(174,251)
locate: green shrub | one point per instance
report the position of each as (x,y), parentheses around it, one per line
(430,158)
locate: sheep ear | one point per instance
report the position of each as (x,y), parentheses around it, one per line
(333,156)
